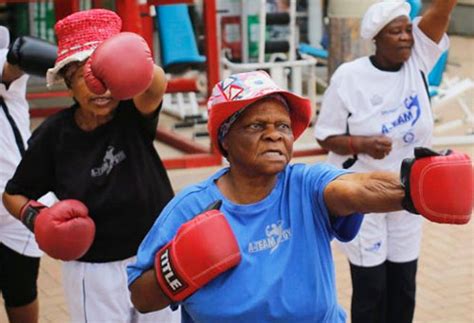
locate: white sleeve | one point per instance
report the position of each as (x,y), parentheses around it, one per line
(332,119)
(4,43)
(425,51)
(3,59)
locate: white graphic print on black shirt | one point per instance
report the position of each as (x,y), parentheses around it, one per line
(109,161)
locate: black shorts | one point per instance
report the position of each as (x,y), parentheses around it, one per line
(18,275)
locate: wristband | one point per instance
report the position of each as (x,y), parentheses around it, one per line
(29,212)
(352,151)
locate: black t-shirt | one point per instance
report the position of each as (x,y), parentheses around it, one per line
(114,170)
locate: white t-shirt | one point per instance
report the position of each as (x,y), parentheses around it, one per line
(12,232)
(367,101)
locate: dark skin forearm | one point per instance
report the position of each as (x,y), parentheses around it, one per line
(10,73)
(148,101)
(375,146)
(339,144)
(435,20)
(146,294)
(365,193)
(14,203)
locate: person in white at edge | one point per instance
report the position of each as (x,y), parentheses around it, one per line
(19,252)
(375,111)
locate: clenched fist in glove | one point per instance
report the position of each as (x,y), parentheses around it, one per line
(438,186)
(122,64)
(64,231)
(202,249)
(32,55)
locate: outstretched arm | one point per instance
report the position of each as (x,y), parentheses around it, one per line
(365,193)
(435,20)
(437,185)
(148,101)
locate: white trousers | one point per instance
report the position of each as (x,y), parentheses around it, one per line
(394,236)
(98,293)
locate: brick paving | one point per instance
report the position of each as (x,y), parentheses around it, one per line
(445,291)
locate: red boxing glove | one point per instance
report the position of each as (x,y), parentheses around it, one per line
(438,186)
(64,231)
(203,248)
(123,64)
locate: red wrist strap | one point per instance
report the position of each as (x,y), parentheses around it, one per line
(352,150)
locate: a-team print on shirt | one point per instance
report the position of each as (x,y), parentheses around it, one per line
(275,235)
(406,116)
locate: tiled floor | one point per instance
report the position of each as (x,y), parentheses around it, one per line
(445,278)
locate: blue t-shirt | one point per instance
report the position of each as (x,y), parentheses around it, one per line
(286,273)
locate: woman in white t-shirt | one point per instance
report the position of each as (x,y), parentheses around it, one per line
(375,111)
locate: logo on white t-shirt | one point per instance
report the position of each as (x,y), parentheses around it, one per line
(276,235)
(409,137)
(410,114)
(109,162)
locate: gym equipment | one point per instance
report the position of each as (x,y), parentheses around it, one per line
(177,40)
(180,100)
(286,69)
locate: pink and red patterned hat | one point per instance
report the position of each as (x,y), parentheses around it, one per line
(78,36)
(240,90)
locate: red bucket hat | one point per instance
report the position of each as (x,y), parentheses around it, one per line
(78,36)
(240,90)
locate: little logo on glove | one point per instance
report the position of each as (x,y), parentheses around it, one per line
(175,283)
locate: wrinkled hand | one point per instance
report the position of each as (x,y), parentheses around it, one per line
(377,147)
